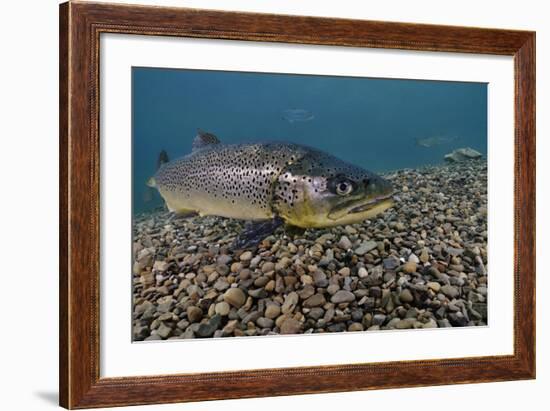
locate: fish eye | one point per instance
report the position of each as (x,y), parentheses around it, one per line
(343,188)
(341,185)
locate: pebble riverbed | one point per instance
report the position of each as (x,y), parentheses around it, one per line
(420,264)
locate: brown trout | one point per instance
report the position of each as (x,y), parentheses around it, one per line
(295,184)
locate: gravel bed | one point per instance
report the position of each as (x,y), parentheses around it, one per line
(420,264)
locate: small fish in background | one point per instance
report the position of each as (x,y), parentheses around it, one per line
(435,141)
(294,115)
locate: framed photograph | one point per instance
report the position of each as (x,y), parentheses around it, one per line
(257,205)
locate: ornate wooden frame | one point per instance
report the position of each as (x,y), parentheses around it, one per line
(80,27)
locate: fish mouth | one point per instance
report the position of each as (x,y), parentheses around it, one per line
(380,202)
(367,205)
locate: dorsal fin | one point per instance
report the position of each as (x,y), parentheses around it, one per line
(204,139)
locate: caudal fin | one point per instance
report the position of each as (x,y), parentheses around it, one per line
(162,159)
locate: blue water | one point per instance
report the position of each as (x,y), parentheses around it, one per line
(373,123)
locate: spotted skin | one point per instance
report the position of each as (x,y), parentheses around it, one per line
(226,180)
(256,182)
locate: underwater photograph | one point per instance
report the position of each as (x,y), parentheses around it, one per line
(272,204)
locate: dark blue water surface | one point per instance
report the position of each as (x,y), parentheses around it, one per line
(374,123)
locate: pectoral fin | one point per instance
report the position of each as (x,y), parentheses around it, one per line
(254,232)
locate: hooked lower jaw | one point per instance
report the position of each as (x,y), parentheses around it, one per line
(371,204)
(366,209)
(343,216)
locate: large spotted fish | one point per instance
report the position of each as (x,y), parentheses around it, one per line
(270,183)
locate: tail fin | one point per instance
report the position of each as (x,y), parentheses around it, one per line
(162,159)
